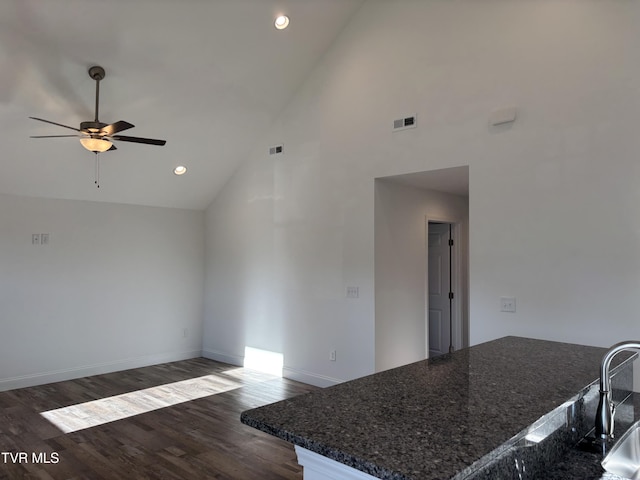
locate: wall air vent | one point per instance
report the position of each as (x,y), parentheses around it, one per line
(276,149)
(404,123)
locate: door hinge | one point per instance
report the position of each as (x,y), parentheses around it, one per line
(451,242)
(450,295)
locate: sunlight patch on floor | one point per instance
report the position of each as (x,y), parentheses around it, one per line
(104,410)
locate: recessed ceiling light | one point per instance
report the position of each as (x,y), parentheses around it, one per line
(282,22)
(180,170)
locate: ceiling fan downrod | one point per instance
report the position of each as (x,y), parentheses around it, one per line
(97,73)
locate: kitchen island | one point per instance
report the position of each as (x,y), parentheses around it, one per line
(502,409)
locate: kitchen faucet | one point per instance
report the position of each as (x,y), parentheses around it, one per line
(606,408)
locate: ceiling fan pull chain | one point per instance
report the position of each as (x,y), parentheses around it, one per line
(97,181)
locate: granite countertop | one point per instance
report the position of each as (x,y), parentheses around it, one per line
(434,418)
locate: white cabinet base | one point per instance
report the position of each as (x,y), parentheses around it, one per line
(317,467)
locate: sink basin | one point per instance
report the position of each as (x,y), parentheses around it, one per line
(624,458)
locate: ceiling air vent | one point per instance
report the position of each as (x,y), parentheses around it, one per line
(404,123)
(275,150)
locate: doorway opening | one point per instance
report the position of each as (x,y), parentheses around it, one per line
(404,206)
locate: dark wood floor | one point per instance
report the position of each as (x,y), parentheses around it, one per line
(198,439)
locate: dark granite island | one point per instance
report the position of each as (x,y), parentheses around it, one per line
(503,409)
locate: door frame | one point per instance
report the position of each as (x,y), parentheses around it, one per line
(456,269)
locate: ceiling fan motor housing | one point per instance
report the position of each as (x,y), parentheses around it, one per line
(93,127)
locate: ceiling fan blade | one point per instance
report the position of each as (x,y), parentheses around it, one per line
(113,147)
(52,136)
(54,123)
(148,141)
(119,126)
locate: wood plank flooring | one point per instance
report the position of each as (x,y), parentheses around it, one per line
(195,439)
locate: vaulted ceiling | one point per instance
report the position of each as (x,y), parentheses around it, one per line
(209,76)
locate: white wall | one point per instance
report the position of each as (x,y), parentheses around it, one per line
(401,213)
(115,288)
(277,282)
(554,198)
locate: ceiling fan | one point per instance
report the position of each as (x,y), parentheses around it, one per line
(95,136)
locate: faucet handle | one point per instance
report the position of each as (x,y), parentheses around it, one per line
(612,409)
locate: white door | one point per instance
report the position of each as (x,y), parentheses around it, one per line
(438,283)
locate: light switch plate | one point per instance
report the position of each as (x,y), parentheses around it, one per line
(508,304)
(353,292)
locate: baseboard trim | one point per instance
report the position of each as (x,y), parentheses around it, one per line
(231,359)
(309,378)
(296,374)
(95,369)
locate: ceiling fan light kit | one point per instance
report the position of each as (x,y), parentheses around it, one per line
(96,145)
(95,136)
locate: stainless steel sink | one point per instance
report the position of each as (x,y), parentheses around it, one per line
(624,458)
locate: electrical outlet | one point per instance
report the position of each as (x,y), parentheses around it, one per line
(332,355)
(44,239)
(508,304)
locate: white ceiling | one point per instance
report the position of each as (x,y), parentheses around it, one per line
(208,76)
